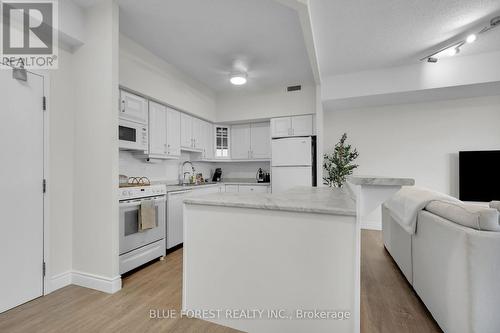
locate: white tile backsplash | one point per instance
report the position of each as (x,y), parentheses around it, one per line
(170,170)
(165,170)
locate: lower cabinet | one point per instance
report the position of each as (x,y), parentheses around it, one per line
(175,225)
(248,188)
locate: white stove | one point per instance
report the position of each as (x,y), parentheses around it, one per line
(129,193)
(139,246)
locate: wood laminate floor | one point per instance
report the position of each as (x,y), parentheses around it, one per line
(388,304)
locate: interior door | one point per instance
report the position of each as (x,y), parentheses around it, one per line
(157,129)
(21,225)
(240,142)
(261,140)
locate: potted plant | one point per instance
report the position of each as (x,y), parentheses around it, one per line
(339,164)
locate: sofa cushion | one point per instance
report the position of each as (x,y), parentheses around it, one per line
(468,215)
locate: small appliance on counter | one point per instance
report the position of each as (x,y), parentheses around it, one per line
(262,176)
(217,175)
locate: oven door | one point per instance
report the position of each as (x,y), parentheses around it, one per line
(130,236)
(132,136)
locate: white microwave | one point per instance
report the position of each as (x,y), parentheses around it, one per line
(132,136)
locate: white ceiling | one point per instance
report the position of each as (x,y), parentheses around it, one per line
(207,39)
(353,36)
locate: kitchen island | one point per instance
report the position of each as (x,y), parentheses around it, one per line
(287,262)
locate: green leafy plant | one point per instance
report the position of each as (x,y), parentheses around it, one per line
(339,164)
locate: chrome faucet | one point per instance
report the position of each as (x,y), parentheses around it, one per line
(184,180)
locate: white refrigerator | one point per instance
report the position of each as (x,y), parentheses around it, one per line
(293,163)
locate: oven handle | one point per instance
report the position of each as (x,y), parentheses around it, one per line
(138,202)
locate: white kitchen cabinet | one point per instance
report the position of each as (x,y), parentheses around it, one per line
(173,133)
(260,141)
(207,142)
(222,138)
(157,130)
(175,224)
(252,189)
(280,127)
(302,125)
(186,131)
(198,137)
(292,126)
(133,108)
(240,142)
(250,141)
(232,188)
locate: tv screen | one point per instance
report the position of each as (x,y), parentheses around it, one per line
(479,175)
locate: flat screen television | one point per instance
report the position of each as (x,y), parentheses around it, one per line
(479,175)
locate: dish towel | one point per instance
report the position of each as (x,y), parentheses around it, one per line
(147,215)
(405,205)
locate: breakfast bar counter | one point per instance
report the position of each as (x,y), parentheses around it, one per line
(292,258)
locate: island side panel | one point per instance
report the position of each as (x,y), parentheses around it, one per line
(242,259)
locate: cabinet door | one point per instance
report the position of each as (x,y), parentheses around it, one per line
(175,235)
(302,125)
(260,141)
(281,127)
(232,188)
(197,135)
(253,189)
(157,129)
(133,108)
(240,142)
(173,132)
(208,140)
(186,131)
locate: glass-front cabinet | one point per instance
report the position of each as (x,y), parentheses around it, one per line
(222,148)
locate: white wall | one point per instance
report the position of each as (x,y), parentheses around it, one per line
(246,170)
(161,170)
(240,106)
(143,72)
(421,141)
(60,166)
(95,229)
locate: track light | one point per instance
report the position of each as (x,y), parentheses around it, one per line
(454,49)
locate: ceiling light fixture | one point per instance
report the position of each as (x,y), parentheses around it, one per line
(238,79)
(453,49)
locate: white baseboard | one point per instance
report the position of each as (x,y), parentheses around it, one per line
(96,282)
(86,280)
(58,281)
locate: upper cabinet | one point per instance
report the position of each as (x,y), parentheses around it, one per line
(186,131)
(260,141)
(157,130)
(133,108)
(250,141)
(194,133)
(292,126)
(173,133)
(164,132)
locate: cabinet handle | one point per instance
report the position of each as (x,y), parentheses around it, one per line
(123,103)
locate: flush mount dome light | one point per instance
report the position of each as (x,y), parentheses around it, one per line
(238,79)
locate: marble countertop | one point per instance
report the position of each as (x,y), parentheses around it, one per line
(321,200)
(380,181)
(172,187)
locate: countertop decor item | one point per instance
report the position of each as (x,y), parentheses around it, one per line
(339,164)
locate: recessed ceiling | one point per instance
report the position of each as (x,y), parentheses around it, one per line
(352,36)
(207,40)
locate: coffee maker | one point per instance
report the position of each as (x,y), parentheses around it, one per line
(217,175)
(260,176)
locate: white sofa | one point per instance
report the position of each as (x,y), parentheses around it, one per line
(453,263)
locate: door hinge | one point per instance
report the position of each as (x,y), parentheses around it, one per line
(44,186)
(44,268)
(44,103)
